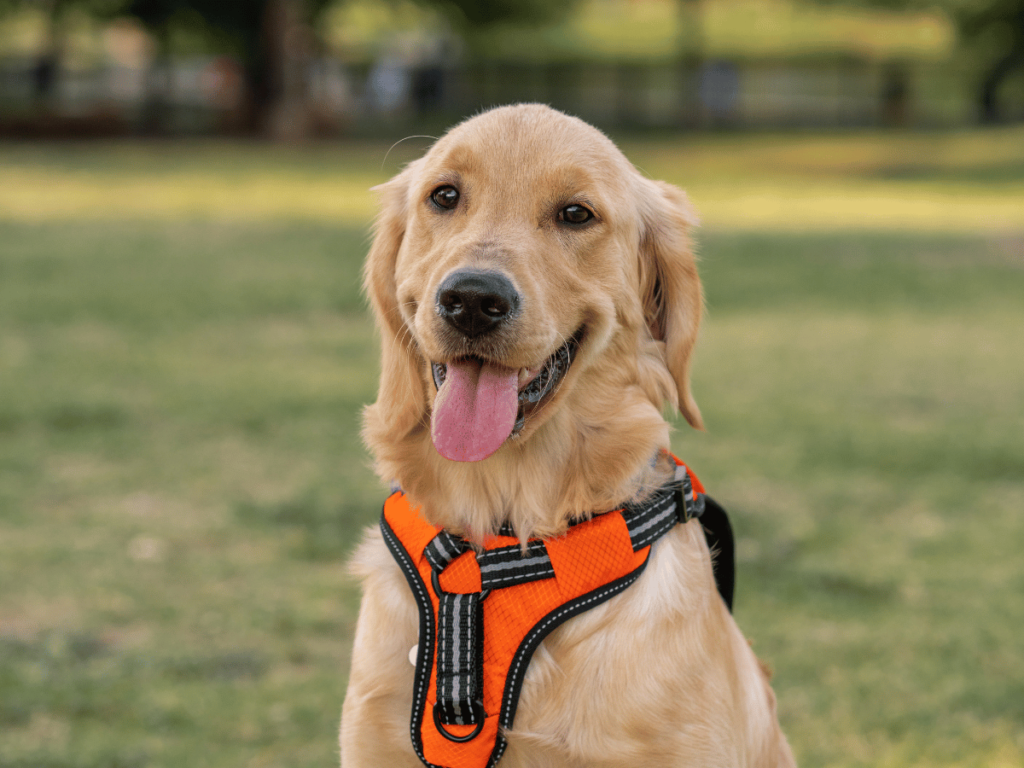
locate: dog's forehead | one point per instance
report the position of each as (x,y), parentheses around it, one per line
(529,144)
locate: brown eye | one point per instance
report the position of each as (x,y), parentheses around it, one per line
(446,197)
(575,214)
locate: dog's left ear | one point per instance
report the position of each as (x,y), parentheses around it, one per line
(669,286)
(400,399)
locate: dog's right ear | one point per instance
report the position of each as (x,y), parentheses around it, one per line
(401,401)
(670,288)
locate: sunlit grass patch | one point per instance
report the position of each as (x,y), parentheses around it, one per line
(40,195)
(856,154)
(816,206)
(943,182)
(955,182)
(204,181)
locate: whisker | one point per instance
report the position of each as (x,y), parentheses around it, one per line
(418,136)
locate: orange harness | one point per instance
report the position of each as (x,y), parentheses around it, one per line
(467,681)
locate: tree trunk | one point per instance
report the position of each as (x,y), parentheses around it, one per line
(988,97)
(47,66)
(156,109)
(691,58)
(286,44)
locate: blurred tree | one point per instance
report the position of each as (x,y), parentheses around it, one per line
(471,19)
(271,38)
(157,16)
(48,60)
(995,28)
(471,15)
(999,23)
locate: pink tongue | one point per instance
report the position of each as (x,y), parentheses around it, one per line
(475,410)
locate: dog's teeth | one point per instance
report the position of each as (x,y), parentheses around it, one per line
(527,375)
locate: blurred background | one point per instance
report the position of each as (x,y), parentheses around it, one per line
(298,68)
(184,348)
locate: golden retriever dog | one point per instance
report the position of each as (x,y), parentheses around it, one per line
(538,302)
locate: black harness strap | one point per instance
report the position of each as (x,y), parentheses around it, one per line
(459,658)
(459,639)
(444,548)
(678,503)
(506,566)
(720,540)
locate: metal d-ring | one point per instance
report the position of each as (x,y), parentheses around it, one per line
(478,710)
(436,584)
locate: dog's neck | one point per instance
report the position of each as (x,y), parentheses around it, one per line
(584,460)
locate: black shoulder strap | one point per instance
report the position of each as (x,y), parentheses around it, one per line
(718,533)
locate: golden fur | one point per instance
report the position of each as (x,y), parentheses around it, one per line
(657,676)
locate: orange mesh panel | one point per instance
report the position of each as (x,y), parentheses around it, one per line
(592,554)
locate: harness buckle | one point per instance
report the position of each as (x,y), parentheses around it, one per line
(689,504)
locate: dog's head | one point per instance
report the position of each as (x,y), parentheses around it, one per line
(522,267)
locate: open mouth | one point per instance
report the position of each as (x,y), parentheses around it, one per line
(485,403)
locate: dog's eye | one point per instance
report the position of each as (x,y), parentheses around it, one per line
(446,197)
(575,214)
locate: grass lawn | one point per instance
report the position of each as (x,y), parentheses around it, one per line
(184,352)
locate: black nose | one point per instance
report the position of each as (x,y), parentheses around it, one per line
(476,302)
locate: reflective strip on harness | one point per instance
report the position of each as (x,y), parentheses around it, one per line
(482,615)
(442,549)
(458,655)
(506,566)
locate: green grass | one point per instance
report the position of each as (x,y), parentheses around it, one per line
(181,477)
